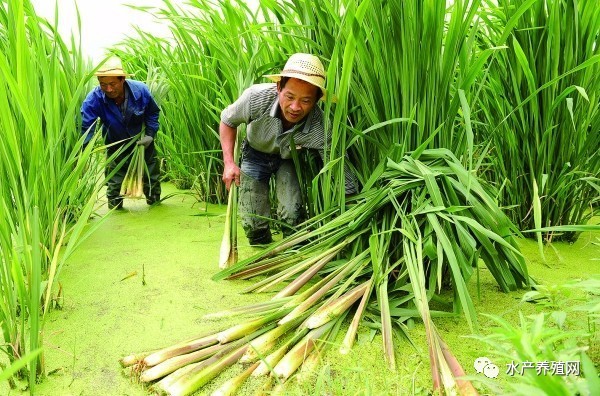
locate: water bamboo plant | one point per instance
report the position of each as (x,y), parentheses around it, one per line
(220,51)
(549,336)
(133,183)
(50,181)
(416,98)
(228,254)
(229,245)
(540,109)
(413,133)
(423,228)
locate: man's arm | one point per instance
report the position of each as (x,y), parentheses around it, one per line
(231,172)
(89,115)
(152,113)
(233,115)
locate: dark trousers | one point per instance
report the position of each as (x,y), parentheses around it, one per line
(151,180)
(257,168)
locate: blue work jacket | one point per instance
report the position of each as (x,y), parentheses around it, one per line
(141,109)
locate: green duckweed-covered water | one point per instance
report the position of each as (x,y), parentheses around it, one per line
(142,281)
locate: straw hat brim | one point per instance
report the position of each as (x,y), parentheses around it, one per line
(113,73)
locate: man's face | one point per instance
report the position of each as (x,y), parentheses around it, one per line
(296,99)
(112,86)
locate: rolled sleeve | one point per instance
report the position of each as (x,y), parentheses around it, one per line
(238,112)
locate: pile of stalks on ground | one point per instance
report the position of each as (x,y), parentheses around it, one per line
(425,224)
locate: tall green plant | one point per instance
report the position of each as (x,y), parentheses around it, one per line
(49,182)
(397,68)
(392,100)
(425,221)
(220,49)
(540,109)
(554,336)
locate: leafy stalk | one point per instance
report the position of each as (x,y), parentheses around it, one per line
(229,251)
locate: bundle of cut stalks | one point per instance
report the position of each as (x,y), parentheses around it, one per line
(133,184)
(425,225)
(228,255)
(229,250)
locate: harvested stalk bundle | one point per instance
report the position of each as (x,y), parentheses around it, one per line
(134,358)
(229,249)
(133,183)
(231,386)
(229,245)
(179,349)
(423,226)
(170,365)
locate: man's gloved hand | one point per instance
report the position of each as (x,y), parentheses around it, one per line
(145,141)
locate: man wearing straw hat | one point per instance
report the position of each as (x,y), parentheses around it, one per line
(125,107)
(273,114)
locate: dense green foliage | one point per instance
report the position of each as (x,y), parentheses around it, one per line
(411,76)
(506,94)
(540,110)
(528,69)
(49,184)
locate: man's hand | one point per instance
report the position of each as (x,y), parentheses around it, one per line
(145,141)
(231,173)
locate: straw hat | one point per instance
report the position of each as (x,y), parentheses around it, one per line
(304,67)
(112,67)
